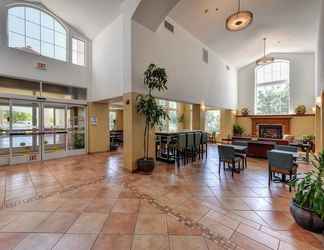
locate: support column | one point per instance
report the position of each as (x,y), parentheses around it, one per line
(98,134)
(322,123)
(318,128)
(119,119)
(228,119)
(198,117)
(134,125)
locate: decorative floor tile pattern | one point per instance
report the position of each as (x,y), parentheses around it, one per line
(91,202)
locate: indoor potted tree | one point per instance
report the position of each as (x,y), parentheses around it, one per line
(155,78)
(308,203)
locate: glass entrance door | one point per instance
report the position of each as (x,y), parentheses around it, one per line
(25,131)
(55,130)
(76,117)
(4,132)
(33,130)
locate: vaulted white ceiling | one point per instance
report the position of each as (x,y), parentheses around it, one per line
(289,25)
(88,16)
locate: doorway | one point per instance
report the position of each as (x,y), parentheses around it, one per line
(34,130)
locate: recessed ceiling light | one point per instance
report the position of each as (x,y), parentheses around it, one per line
(206,11)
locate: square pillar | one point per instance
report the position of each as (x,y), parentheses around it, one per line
(134,125)
(198,117)
(98,134)
(228,119)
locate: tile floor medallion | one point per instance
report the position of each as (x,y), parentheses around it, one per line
(91,202)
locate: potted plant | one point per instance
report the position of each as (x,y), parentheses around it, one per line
(308,139)
(238,129)
(155,78)
(307,206)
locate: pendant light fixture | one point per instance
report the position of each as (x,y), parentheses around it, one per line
(239,20)
(265,59)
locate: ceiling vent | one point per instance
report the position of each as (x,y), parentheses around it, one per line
(205,56)
(169,26)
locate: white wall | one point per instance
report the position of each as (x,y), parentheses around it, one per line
(302,81)
(107,61)
(20,64)
(320,54)
(190,79)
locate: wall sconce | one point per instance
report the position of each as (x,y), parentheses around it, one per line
(203,107)
(314,109)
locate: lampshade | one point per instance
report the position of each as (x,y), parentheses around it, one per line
(265,60)
(239,20)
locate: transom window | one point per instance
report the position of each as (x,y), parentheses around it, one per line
(78,52)
(36,31)
(272,88)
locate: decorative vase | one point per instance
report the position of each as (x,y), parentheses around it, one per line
(244,111)
(300,110)
(306,218)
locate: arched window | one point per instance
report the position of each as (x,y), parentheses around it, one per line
(272,88)
(34,30)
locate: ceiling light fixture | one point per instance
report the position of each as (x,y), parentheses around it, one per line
(265,59)
(239,20)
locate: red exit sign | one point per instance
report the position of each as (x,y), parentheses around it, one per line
(41,66)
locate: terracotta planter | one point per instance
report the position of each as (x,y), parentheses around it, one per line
(306,218)
(145,165)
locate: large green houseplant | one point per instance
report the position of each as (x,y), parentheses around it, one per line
(308,203)
(155,78)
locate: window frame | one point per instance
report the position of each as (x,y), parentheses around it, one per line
(167,107)
(272,83)
(206,122)
(84,53)
(68,55)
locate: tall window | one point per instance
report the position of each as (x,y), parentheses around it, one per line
(272,88)
(171,108)
(78,49)
(36,31)
(112,120)
(212,122)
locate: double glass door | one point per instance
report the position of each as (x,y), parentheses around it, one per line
(33,131)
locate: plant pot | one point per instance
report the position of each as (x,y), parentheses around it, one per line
(306,218)
(145,165)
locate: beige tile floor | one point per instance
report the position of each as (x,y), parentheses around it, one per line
(108,215)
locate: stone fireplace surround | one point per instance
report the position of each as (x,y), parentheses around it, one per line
(270,131)
(282,121)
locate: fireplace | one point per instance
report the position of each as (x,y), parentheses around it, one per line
(270,131)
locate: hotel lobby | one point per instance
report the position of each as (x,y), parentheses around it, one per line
(161,125)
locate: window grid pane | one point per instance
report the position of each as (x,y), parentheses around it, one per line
(213,121)
(272,88)
(78,52)
(34,29)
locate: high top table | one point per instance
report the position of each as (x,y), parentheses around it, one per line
(166,138)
